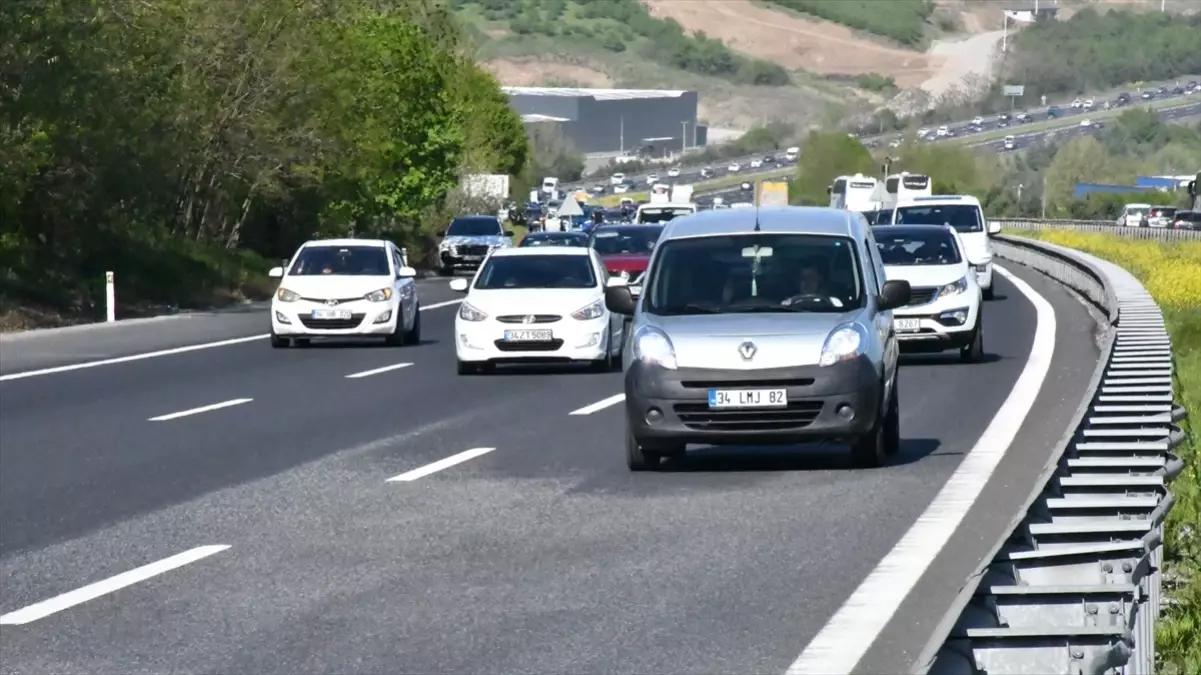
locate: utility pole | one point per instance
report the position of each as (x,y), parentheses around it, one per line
(683,136)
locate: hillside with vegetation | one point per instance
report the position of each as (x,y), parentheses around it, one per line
(181,145)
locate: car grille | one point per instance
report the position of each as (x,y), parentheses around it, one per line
(472,249)
(539,346)
(332,324)
(756,384)
(520,318)
(921,296)
(330,302)
(797,415)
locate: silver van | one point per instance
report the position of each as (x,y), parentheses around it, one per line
(761,326)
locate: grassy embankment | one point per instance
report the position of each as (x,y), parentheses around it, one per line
(1171,272)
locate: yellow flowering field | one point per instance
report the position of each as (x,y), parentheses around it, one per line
(1171,272)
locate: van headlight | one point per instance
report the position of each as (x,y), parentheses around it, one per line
(469,313)
(382,295)
(284,295)
(654,348)
(593,311)
(954,288)
(845,343)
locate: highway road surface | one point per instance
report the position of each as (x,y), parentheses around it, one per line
(230,508)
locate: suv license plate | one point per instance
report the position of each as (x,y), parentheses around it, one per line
(528,336)
(331,314)
(907,325)
(748,398)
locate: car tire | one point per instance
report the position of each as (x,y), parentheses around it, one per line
(446,271)
(467,367)
(301,342)
(397,337)
(280,342)
(869,450)
(605,363)
(990,293)
(639,458)
(974,352)
(892,420)
(413,335)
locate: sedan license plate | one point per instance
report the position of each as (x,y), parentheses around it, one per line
(473,258)
(748,398)
(907,325)
(331,314)
(528,336)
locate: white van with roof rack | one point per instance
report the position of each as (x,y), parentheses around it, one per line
(964,213)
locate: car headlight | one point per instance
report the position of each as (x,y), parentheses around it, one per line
(284,295)
(469,313)
(382,295)
(593,311)
(845,342)
(654,348)
(954,288)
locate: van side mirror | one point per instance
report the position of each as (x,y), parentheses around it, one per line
(896,293)
(619,300)
(994,228)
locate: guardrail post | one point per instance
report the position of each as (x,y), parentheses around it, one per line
(110,298)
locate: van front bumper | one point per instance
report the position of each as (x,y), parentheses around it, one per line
(668,408)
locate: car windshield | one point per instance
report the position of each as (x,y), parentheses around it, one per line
(474,226)
(555,239)
(661,214)
(750,273)
(536,271)
(361,261)
(625,240)
(962,217)
(901,247)
(1163,212)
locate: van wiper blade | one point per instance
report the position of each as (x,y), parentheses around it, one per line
(772,309)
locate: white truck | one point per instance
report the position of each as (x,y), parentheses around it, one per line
(662,207)
(486,186)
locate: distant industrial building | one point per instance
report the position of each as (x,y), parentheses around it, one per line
(633,121)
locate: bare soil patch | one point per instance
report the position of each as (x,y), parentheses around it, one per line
(534,72)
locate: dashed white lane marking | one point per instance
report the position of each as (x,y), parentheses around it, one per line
(163,352)
(600,405)
(435,467)
(843,641)
(377,371)
(202,409)
(79,596)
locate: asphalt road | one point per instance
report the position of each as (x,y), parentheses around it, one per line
(542,555)
(1071,118)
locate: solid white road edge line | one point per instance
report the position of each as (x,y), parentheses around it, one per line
(163,352)
(79,596)
(202,409)
(842,642)
(435,467)
(377,371)
(600,405)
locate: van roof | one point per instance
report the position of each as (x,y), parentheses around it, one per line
(772,220)
(936,200)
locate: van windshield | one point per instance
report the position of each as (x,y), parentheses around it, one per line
(962,217)
(750,273)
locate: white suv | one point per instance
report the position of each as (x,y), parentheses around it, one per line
(963,213)
(945,303)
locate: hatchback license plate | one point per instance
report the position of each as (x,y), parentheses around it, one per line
(748,398)
(907,325)
(331,314)
(528,336)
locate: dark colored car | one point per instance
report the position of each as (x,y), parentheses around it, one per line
(1187,220)
(1054,112)
(625,249)
(555,239)
(883,217)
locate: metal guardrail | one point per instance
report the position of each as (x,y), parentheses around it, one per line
(1075,586)
(1106,226)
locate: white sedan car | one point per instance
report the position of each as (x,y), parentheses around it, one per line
(673,172)
(944,310)
(537,305)
(345,288)
(735,167)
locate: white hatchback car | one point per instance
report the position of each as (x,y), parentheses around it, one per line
(945,302)
(345,288)
(537,305)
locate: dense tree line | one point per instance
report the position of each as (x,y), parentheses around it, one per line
(1028,184)
(172,142)
(620,25)
(902,20)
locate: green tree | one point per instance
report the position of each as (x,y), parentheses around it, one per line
(825,155)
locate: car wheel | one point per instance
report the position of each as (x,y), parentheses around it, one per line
(446,271)
(301,342)
(279,342)
(990,293)
(468,367)
(892,421)
(605,363)
(397,337)
(974,352)
(868,450)
(637,457)
(413,335)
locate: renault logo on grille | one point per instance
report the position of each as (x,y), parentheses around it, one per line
(529,318)
(747,350)
(331,302)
